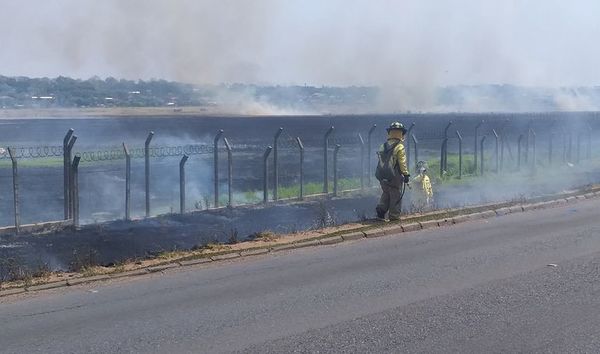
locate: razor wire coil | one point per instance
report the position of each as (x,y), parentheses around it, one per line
(32,152)
(117,153)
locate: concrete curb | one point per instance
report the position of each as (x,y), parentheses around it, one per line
(375,232)
(502,211)
(160,268)
(295,245)
(46,286)
(433,220)
(225,256)
(488,214)
(354,236)
(77,281)
(130,273)
(428,224)
(571,199)
(253,252)
(13,291)
(411,227)
(332,240)
(393,229)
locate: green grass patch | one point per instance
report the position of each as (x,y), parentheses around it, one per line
(34,162)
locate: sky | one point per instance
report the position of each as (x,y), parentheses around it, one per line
(412,43)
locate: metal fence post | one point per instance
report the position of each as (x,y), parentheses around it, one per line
(361,141)
(497,151)
(519,141)
(276,165)
(527,138)
(460,140)
(408,133)
(369,157)
(75,188)
(325,167)
(69,155)
(66,171)
(444,142)
(501,151)
(502,136)
(445,152)
(416,142)
(266,174)
(481,164)
(301,147)
(15,177)
(335,170)
(147,170)
(182,183)
(229,173)
(216,165)
(127,182)
(476,145)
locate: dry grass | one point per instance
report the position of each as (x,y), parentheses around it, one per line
(265,236)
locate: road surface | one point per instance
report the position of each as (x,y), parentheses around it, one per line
(527,282)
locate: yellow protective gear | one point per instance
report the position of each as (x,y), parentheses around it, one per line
(423,183)
(396,136)
(391,200)
(422,192)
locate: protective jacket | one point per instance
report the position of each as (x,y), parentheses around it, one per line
(398,156)
(424,185)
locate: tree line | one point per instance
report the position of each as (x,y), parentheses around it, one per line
(16,92)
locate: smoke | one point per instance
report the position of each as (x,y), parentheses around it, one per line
(406,48)
(246,101)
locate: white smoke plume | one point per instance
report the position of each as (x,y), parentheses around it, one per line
(407,48)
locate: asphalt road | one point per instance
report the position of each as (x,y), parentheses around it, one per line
(527,282)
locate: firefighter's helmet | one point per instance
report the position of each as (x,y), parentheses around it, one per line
(397,126)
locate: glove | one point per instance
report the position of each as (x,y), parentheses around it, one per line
(406,178)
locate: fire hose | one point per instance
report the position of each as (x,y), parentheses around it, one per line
(402,190)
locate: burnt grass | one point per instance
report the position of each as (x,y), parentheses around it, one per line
(114,242)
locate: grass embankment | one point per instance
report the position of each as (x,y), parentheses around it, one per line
(311,188)
(34,162)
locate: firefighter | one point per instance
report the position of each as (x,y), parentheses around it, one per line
(392,172)
(422,192)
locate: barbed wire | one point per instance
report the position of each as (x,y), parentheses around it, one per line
(110,153)
(32,152)
(117,153)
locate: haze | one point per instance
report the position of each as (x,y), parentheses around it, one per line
(335,42)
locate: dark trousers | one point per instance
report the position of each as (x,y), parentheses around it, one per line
(390,200)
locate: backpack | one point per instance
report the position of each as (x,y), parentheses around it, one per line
(387,167)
